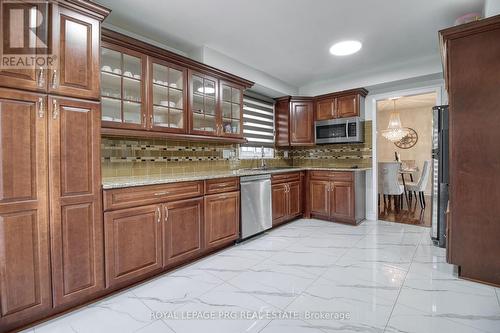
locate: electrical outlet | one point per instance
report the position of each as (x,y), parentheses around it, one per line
(227,153)
(285,154)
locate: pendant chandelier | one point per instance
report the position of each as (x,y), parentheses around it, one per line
(395,131)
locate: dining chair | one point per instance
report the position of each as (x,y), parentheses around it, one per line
(388,184)
(421,184)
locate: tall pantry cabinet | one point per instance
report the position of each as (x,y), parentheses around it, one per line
(51,254)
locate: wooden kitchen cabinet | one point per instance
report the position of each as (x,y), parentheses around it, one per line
(325,109)
(133,244)
(301,123)
(337,195)
(343,104)
(75,44)
(25,283)
(75,206)
(282,121)
(286,192)
(182,230)
(279,203)
(222,218)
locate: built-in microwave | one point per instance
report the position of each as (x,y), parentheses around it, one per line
(341,130)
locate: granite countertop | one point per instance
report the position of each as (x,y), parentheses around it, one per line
(131,181)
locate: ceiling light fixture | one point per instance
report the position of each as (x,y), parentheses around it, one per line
(395,131)
(346,47)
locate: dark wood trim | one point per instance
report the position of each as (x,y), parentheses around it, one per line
(359,91)
(114,37)
(85,7)
(118,132)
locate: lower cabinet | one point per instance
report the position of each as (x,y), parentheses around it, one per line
(133,243)
(337,196)
(286,197)
(222,218)
(182,230)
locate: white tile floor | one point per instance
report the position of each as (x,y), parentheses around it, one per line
(386,277)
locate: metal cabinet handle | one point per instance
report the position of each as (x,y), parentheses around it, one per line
(54,79)
(144,120)
(41,107)
(160,193)
(151,121)
(158,215)
(166,213)
(55,109)
(40,79)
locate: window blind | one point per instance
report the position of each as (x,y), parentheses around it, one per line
(258,121)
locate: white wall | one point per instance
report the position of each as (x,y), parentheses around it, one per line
(491,8)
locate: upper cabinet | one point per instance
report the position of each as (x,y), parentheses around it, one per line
(74,29)
(343,104)
(122,88)
(301,122)
(167,95)
(167,88)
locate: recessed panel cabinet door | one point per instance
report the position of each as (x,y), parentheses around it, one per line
(133,244)
(301,123)
(24,245)
(342,200)
(75,40)
(222,218)
(76,213)
(347,106)
(325,109)
(294,199)
(279,203)
(320,190)
(182,230)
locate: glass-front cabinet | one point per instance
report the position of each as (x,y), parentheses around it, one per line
(215,106)
(168,90)
(122,88)
(203,106)
(231,108)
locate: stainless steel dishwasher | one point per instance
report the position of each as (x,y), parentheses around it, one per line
(256,213)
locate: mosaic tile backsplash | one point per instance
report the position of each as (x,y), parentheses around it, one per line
(135,157)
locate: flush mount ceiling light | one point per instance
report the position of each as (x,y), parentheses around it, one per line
(346,47)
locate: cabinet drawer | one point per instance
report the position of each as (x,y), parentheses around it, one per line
(285,177)
(213,186)
(332,175)
(144,195)
(343,176)
(321,175)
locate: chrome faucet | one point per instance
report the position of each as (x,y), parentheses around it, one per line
(262,161)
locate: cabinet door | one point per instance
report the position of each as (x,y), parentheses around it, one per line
(301,123)
(204,116)
(282,123)
(231,105)
(347,106)
(342,200)
(24,231)
(123,74)
(133,245)
(294,199)
(182,230)
(222,218)
(75,40)
(325,109)
(75,205)
(30,77)
(279,203)
(167,97)
(320,196)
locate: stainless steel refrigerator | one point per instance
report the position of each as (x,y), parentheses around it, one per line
(440,174)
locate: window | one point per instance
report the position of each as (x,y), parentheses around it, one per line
(258,126)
